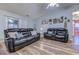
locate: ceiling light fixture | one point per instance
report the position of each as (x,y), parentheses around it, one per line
(53,5)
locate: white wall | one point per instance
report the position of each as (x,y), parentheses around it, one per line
(3,21)
(58,14)
(30,23)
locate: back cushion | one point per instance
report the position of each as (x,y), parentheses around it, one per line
(49,29)
(60,32)
(26,34)
(53,30)
(50,32)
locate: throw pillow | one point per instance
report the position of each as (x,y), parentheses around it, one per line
(19,35)
(34,32)
(12,34)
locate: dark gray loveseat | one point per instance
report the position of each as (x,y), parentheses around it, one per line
(58,34)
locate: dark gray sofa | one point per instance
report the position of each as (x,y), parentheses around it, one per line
(14,44)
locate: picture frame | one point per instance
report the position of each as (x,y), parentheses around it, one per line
(44,22)
(54,21)
(60,20)
(50,21)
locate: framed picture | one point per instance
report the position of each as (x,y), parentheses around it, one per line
(44,22)
(60,20)
(68,20)
(50,21)
(55,21)
(62,17)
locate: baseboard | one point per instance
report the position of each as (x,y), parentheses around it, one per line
(70,41)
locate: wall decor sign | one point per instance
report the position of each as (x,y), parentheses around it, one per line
(47,22)
(44,22)
(50,21)
(55,21)
(62,17)
(68,20)
(60,20)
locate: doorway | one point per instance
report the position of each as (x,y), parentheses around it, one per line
(76,27)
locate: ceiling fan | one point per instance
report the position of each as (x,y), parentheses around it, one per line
(52,5)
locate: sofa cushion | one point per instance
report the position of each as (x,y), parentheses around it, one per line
(50,32)
(61,32)
(49,35)
(29,38)
(59,36)
(53,34)
(35,36)
(26,34)
(17,42)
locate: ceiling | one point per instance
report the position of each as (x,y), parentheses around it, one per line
(32,10)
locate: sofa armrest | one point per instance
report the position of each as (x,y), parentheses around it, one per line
(66,37)
(10,44)
(38,34)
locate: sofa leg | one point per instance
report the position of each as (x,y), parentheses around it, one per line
(65,41)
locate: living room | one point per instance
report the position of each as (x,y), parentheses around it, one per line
(41,20)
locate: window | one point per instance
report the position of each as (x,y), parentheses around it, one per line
(12,23)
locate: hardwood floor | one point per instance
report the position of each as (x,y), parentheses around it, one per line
(44,47)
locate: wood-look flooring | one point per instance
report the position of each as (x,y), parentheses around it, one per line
(44,47)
